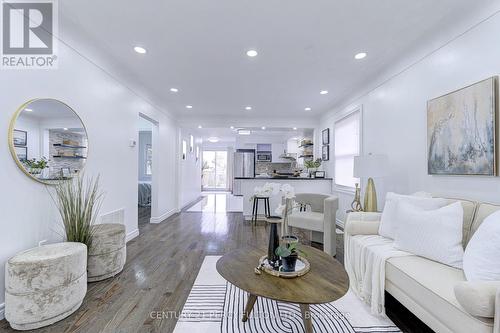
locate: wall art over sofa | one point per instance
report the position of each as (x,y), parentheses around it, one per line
(461,131)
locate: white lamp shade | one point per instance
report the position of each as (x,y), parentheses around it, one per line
(370,166)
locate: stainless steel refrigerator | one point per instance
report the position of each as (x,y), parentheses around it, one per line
(244,167)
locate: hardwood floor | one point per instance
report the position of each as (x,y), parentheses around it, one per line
(162,264)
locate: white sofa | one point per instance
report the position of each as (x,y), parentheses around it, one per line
(428,288)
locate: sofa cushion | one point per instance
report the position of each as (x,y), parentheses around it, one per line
(478,298)
(430,285)
(433,234)
(481,258)
(390,220)
(469,211)
(306,220)
(483,210)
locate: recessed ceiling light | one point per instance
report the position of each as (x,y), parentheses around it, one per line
(189,106)
(248,108)
(244,132)
(295,128)
(252,53)
(360,55)
(307,109)
(263,127)
(29,110)
(174,90)
(65,128)
(232,127)
(139,49)
(199,126)
(213,139)
(323,92)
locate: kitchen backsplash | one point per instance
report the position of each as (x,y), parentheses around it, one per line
(263,167)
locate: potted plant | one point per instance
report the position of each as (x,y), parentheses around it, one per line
(78,202)
(289,253)
(34,166)
(312,165)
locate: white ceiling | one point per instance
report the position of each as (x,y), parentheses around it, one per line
(228,135)
(304,46)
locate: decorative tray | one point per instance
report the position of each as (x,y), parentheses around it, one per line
(301,268)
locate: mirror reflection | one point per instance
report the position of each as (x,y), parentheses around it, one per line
(48,140)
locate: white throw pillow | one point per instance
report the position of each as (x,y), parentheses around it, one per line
(433,234)
(389,221)
(482,255)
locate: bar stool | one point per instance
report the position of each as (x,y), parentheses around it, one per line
(255,210)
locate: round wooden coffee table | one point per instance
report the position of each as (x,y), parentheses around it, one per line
(326,282)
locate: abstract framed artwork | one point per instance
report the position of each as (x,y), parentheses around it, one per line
(462,130)
(20,137)
(325,136)
(22,153)
(325,153)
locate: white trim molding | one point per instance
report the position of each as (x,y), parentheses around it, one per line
(131,235)
(2,311)
(163,217)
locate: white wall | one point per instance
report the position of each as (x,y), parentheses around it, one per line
(394,115)
(189,170)
(109,110)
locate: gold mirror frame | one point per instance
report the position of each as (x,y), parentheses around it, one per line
(11,138)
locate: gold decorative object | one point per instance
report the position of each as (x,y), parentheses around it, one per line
(356,203)
(370,197)
(286,275)
(370,166)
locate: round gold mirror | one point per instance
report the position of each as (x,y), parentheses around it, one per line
(48,140)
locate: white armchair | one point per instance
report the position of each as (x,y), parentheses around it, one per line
(321,218)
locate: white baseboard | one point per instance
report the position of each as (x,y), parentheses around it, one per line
(131,235)
(2,311)
(190,203)
(163,217)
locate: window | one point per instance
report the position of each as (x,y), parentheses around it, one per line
(214,170)
(347,143)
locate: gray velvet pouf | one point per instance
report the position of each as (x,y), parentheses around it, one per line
(108,252)
(45,284)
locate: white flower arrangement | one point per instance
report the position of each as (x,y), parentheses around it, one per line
(268,190)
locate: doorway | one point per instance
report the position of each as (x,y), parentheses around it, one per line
(214,170)
(145,169)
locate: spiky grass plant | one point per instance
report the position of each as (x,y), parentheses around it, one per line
(78,201)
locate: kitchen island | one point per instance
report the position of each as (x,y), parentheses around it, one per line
(301,185)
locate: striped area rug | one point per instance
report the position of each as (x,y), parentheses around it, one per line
(215,305)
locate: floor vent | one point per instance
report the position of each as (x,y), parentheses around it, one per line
(117,216)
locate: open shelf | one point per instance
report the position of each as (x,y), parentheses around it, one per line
(306,145)
(76,157)
(68,146)
(306,156)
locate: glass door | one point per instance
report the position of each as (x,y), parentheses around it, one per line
(214,170)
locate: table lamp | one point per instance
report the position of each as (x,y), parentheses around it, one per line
(370,166)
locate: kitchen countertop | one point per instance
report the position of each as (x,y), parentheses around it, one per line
(288,178)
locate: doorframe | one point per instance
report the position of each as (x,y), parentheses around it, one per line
(155,141)
(215,189)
